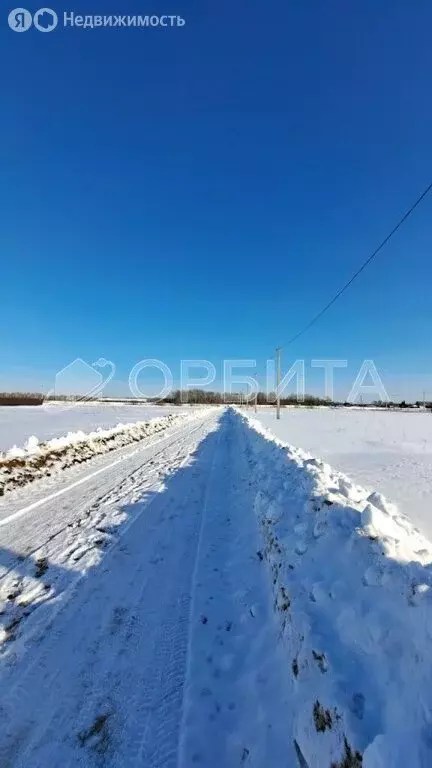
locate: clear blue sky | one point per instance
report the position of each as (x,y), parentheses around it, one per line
(201,192)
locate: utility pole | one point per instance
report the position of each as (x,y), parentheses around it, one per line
(278,380)
(256,401)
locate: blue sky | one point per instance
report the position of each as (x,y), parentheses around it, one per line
(200,192)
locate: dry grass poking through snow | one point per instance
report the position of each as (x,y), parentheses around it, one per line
(20,467)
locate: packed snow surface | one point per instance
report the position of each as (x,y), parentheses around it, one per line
(388,451)
(19,423)
(218,598)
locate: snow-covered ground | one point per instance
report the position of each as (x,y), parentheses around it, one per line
(387,451)
(137,621)
(18,423)
(37,460)
(212,598)
(352,585)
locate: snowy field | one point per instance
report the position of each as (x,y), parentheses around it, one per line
(386,451)
(18,423)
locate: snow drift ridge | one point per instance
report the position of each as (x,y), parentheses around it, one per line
(352,581)
(20,466)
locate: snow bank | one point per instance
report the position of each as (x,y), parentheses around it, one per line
(54,419)
(35,460)
(352,592)
(378,449)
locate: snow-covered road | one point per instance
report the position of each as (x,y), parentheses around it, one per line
(137,622)
(211,597)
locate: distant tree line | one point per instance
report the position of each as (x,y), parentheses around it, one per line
(37,398)
(402,404)
(21,398)
(205,397)
(208,397)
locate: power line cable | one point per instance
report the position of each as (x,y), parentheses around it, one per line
(363,266)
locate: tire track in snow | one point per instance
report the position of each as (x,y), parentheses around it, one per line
(236,707)
(127,676)
(132,482)
(64,559)
(56,494)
